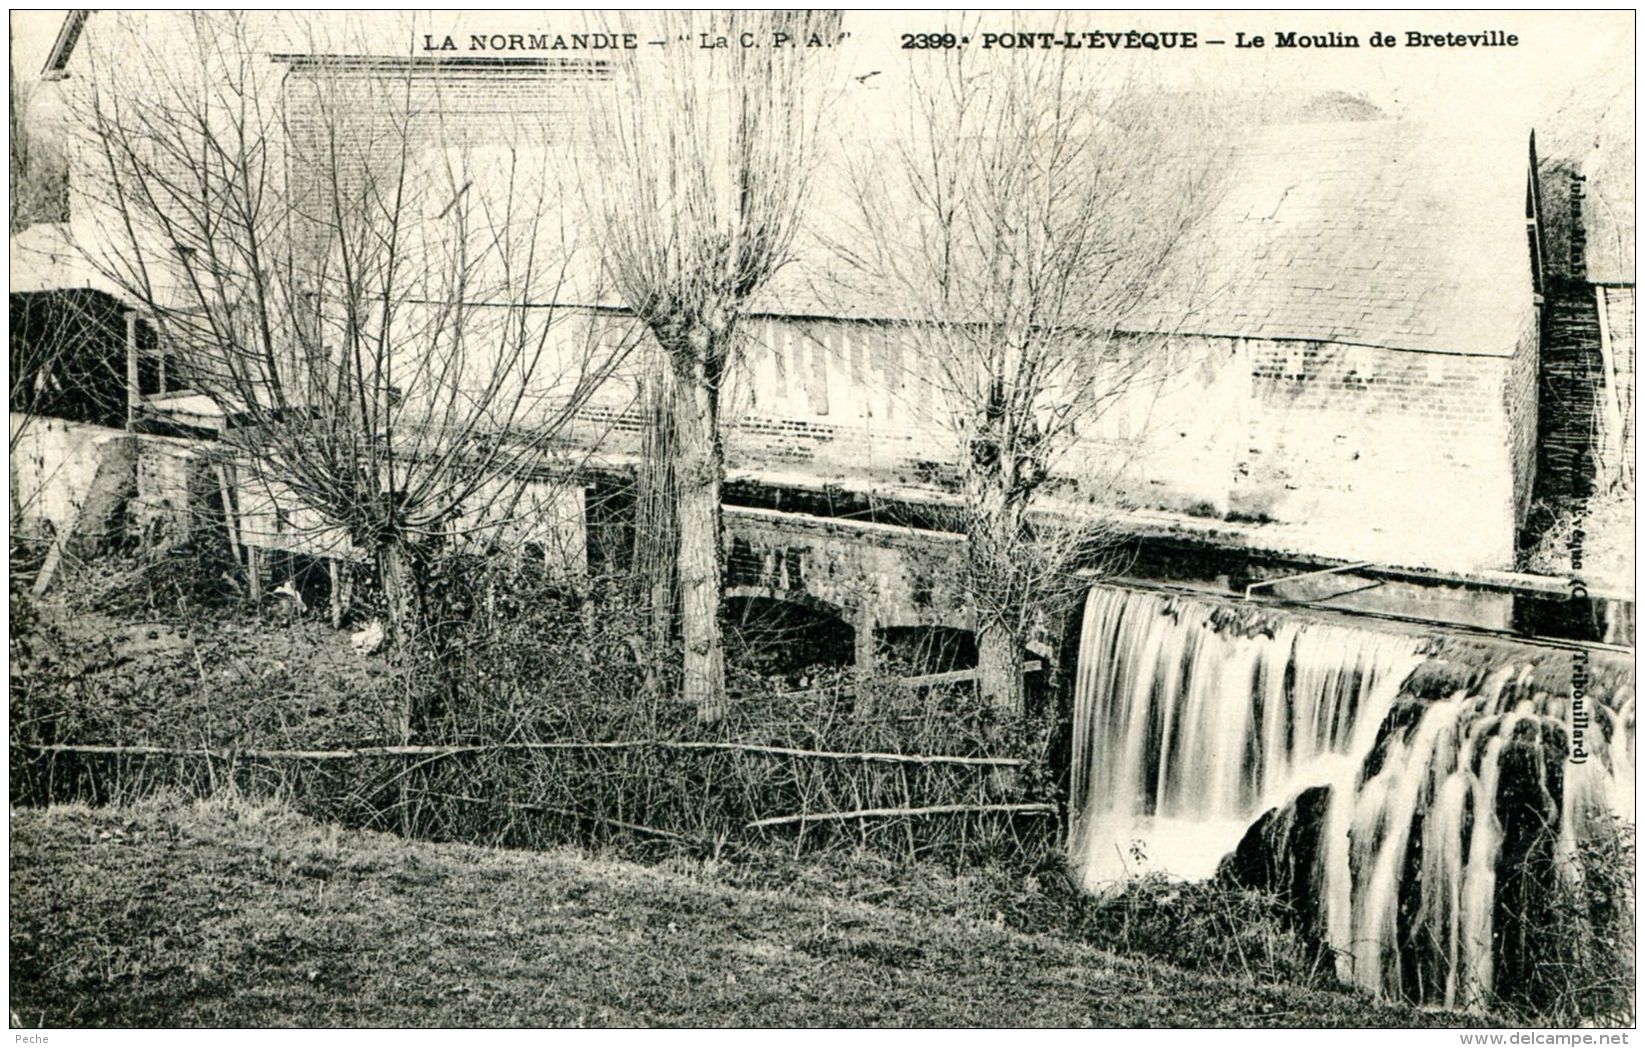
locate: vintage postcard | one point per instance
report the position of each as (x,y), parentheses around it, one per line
(818,519)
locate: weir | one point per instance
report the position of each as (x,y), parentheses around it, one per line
(1391,784)
(1188,724)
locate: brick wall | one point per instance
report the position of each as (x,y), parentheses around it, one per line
(1369,449)
(1356,451)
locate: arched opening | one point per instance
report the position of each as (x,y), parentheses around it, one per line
(779,637)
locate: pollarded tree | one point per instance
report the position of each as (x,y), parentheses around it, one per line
(706,159)
(366,292)
(1016,219)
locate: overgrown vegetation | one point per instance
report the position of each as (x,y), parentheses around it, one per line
(1206,926)
(1606,526)
(1576,963)
(569,747)
(539,688)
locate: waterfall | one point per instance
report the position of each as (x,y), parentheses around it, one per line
(1188,724)
(1192,719)
(1431,799)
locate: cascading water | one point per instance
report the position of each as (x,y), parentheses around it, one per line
(1425,819)
(1191,719)
(1187,726)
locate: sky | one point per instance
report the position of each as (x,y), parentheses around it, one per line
(1561,56)
(1556,51)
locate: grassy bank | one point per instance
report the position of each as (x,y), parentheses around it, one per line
(180,913)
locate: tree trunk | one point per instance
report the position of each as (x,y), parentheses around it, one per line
(400,608)
(656,532)
(399,593)
(341,596)
(999,667)
(997,547)
(699,467)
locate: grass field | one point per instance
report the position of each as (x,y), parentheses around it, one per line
(184,913)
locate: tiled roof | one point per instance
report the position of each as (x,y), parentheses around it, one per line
(1379,233)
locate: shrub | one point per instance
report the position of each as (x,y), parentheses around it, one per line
(1209,926)
(600,749)
(1579,956)
(514,654)
(179,581)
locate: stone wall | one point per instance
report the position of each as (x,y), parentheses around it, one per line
(101,483)
(54,467)
(874,573)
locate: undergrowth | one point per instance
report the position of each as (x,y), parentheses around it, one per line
(1575,961)
(510,655)
(596,748)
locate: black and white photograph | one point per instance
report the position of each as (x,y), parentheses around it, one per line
(817,519)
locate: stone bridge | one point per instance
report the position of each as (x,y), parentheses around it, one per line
(875,578)
(868,575)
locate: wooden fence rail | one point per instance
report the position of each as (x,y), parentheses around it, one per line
(882,813)
(436,752)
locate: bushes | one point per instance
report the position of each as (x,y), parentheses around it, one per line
(143,650)
(509,654)
(1209,926)
(1578,959)
(515,656)
(178,581)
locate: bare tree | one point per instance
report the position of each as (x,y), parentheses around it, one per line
(1014,223)
(706,161)
(367,294)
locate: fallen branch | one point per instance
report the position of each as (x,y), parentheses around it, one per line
(550,809)
(878,813)
(454,750)
(927,680)
(146,751)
